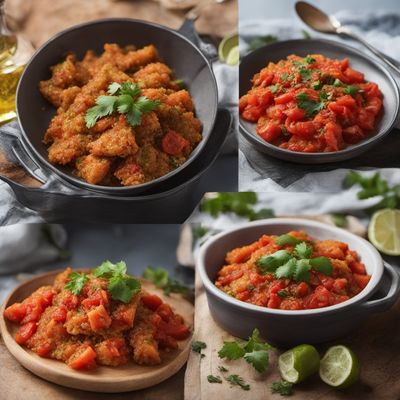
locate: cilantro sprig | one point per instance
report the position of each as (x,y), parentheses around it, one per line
(294,265)
(76,282)
(198,346)
(121,286)
(160,277)
(123,98)
(311,107)
(214,379)
(283,388)
(254,351)
(238,381)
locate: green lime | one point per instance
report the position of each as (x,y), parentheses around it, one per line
(339,367)
(299,363)
(233,56)
(226,45)
(384,231)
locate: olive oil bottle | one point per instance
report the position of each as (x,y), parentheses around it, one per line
(14,54)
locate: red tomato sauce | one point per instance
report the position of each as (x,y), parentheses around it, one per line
(312,104)
(93,329)
(242,278)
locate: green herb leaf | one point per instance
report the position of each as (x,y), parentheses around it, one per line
(284,76)
(339,220)
(322,264)
(264,213)
(255,342)
(113,88)
(311,107)
(238,381)
(221,368)
(274,88)
(352,90)
(262,41)
(161,278)
(302,272)
(76,282)
(214,379)
(271,262)
(131,89)
(306,35)
(303,250)
(286,270)
(283,294)
(317,85)
(198,346)
(105,106)
(107,269)
(304,72)
(180,83)
(283,388)
(337,82)
(287,240)
(309,60)
(259,359)
(231,351)
(123,287)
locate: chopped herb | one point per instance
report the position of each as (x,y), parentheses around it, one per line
(222,369)
(317,85)
(304,72)
(198,346)
(231,351)
(239,203)
(303,250)
(180,83)
(121,286)
(337,82)
(269,263)
(123,98)
(283,294)
(161,278)
(76,282)
(262,41)
(199,231)
(214,379)
(330,80)
(283,388)
(286,239)
(339,220)
(309,60)
(237,380)
(306,35)
(284,76)
(352,90)
(274,88)
(291,77)
(311,107)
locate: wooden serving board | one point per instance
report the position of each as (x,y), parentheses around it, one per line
(124,378)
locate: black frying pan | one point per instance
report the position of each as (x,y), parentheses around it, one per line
(373,69)
(180,50)
(172,202)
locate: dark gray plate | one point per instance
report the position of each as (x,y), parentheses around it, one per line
(188,62)
(374,71)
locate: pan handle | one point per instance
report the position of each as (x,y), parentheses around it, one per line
(21,156)
(188,30)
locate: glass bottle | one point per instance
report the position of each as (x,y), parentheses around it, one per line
(14,54)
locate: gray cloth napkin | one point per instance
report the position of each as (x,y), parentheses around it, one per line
(259,172)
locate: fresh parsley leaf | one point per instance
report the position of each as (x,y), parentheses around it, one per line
(270,263)
(129,88)
(255,342)
(302,272)
(309,60)
(107,269)
(123,287)
(286,270)
(104,106)
(339,220)
(322,264)
(311,107)
(287,240)
(303,250)
(145,105)
(198,346)
(221,368)
(304,72)
(231,351)
(237,380)
(259,359)
(214,379)
(262,41)
(283,388)
(76,282)
(352,90)
(113,88)
(175,286)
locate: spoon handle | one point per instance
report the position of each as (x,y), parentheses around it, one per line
(388,60)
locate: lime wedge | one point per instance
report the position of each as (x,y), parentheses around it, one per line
(233,56)
(339,367)
(226,45)
(384,231)
(299,363)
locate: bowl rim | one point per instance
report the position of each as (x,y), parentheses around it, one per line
(115,189)
(379,135)
(376,274)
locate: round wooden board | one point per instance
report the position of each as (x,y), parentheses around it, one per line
(124,378)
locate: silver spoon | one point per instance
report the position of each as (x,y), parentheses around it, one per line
(321,22)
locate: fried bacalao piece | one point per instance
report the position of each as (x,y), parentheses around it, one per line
(113,152)
(92,329)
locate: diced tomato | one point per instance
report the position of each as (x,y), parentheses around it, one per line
(34,310)
(339,285)
(96,298)
(296,114)
(304,130)
(16,312)
(83,358)
(320,298)
(270,131)
(174,144)
(302,289)
(60,313)
(25,332)
(99,318)
(70,300)
(326,281)
(44,349)
(151,301)
(165,312)
(353,134)
(176,328)
(354,76)
(252,113)
(357,267)
(284,98)
(361,280)
(274,301)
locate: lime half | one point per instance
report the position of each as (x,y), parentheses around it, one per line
(339,367)
(233,56)
(226,46)
(299,363)
(384,231)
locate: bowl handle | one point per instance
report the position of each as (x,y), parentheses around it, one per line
(387,301)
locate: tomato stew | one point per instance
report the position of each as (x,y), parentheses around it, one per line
(312,104)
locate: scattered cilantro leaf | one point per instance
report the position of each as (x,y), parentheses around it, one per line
(199,231)
(197,346)
(283,294)
(161,278)
(286,270)
(309,60)
(311,107)
(337,82)
(305,33)
(317,85)
(76,282)
(274,88)
(339,220)
(259,359)
(303,250)
(283,388)
(180,83)
(262,41)
(286,239)
(113,88)
(284,76)
(302,271)
(231,351)
(221,368)
(271,262)
(104,106)
(322,264)
(237,380)
(352,90)
(107,269)
(214,379)
(304,72)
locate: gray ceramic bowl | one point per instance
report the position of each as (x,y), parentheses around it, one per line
(286,327)
(373,69)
